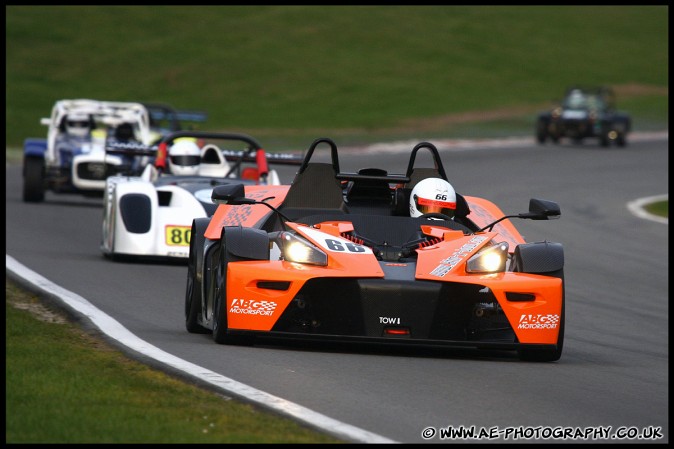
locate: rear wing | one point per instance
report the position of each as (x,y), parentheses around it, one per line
(164,113)
(131,149)
(158,115)
(272,158)
(191,116)
(138,149)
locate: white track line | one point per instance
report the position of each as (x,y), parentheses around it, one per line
(112,328)
(637,208)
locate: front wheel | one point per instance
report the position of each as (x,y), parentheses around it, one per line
(220,329)
(220,314)
(33,179)
(605,137)
(193,289)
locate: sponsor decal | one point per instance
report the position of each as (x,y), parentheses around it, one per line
(538,321)
(177,254)
(457,256)
(252,307)
(237,215)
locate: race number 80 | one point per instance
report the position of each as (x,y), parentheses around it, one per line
(178,235)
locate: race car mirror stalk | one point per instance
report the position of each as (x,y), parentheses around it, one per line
(538,210)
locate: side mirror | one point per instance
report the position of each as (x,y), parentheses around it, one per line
(230,194)
(542,210)
(538,210)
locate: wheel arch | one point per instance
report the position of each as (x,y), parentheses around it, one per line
(538,257)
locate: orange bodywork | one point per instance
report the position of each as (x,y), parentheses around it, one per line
(483,212)
(251,306)
(246,215)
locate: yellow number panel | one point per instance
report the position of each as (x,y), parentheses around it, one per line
(177,235)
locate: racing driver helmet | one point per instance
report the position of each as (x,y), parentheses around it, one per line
(433,195)
(78,125)
(184,157)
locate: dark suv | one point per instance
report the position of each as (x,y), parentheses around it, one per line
(585,112)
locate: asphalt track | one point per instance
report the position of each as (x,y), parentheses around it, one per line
(612,378)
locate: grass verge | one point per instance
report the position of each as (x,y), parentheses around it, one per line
(64,385)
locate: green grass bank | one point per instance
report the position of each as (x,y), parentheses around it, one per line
(289,74)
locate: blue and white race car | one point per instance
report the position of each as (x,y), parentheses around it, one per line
(150,216)
(72,159)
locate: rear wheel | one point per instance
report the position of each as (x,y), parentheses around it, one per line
(193,289)
(547,353)
(33,179)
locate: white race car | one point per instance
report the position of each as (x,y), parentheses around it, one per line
(150,216)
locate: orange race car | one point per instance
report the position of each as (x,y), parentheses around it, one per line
(347,257)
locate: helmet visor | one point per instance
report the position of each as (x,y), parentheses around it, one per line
(77,124)
(429,206)
(185,160)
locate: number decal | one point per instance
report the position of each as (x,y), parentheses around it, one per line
(336,245)
(178,235)
(333,243)
(355,248)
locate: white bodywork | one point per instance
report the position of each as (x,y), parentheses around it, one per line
(168,231)
(169,226)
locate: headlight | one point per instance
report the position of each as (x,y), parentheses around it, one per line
(489,260)
(297,249)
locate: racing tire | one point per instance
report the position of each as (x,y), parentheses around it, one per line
(33,179)
(621,141)
(547,353)
(220,329)
(541,134)
(194,280)
(604,139)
